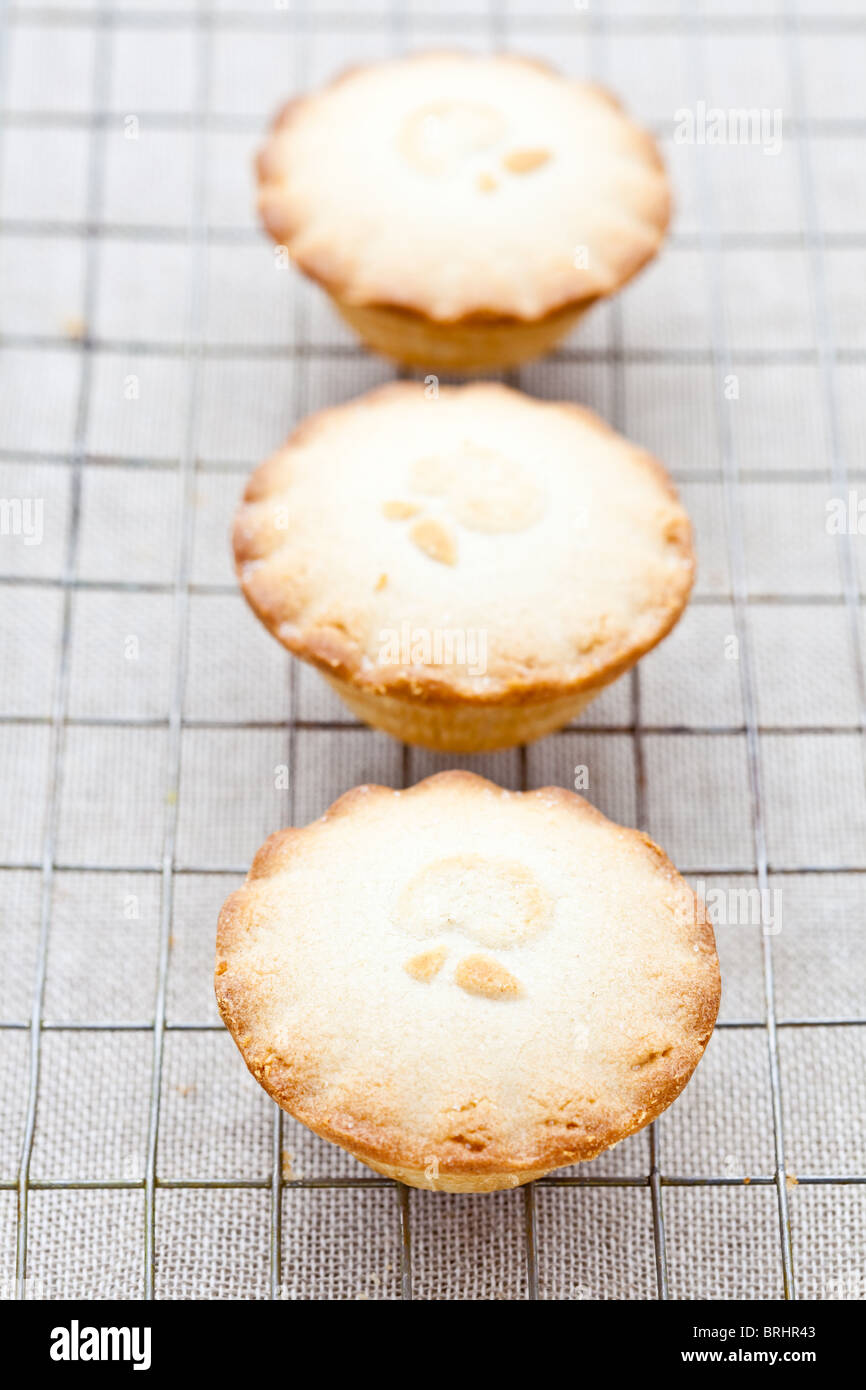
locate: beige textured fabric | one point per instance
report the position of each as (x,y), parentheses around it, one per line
(645,365)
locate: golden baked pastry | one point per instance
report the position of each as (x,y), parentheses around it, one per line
(467,570)
(466,987)
(462,211)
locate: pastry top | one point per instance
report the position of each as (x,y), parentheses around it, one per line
(473,544)
(461,186)
(492,980)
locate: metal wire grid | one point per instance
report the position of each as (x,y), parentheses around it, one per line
(711,242)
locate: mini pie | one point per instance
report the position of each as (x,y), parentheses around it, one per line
(462,211)
(466,987)
(468,569)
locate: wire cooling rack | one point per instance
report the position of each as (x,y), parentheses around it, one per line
(740,358)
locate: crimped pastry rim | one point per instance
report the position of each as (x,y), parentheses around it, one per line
(269,182)
(440,687)
(390,1144)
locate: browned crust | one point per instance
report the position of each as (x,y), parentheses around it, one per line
(282,229)
(333,653)
(581,1129)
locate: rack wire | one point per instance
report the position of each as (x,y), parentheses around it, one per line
(494,25)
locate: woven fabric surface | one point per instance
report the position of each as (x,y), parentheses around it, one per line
(152,351)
